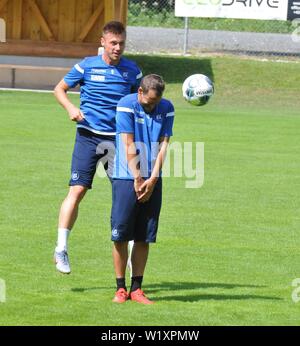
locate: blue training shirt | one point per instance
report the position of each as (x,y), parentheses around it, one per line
(101,88)
(147,130)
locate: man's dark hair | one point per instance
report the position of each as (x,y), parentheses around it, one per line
(114,27)
(154,82)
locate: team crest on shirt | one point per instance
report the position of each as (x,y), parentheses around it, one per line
(125,75)
(158,117)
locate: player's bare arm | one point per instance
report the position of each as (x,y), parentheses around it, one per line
(60,93)
(132,159)
(148,186)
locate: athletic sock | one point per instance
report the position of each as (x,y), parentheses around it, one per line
(62,239)
(136,283)
(121,283)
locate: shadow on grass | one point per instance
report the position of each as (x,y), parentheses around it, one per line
(198,297)
(196,286)
(173,69)
(84,289)
(175,286)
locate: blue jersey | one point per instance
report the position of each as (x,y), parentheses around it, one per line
(147,130)
(101,87)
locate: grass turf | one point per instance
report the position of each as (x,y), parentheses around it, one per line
(227,253)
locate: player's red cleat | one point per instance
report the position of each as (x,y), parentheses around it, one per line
(139,296)
(121,296)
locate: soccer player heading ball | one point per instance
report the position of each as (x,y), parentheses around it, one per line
(144,125)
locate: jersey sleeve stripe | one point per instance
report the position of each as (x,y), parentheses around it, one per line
(171,114)
(79,69)
(140,75)
(125,109)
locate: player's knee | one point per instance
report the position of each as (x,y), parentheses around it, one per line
(120,245)
(76,193)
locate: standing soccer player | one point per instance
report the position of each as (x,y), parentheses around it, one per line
(144,126)
(103,81)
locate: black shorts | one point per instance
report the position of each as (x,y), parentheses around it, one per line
(133,220)
(89,149)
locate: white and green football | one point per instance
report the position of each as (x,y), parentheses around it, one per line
(197,89)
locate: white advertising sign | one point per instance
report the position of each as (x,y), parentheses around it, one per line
(245,9)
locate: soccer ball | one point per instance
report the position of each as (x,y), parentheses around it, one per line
(197,89)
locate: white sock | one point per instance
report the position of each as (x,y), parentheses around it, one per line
(62,239)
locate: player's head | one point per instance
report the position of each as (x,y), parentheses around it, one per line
(150,91)
(114,27)
(113,41)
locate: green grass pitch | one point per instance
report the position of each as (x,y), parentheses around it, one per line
(227,253)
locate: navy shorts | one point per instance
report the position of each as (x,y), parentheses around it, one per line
(133,220)
(89,148)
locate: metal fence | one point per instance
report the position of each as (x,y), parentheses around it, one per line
(164,32)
